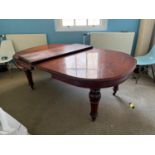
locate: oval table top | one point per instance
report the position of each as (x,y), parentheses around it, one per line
(93,68)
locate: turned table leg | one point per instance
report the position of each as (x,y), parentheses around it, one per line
(29,78)
(94,97)
(115,90)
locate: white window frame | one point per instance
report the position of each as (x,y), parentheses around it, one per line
(60,27)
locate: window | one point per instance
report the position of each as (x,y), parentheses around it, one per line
(80,24)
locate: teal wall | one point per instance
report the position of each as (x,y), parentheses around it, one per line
(8,26)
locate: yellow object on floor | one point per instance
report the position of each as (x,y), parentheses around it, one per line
(131,105)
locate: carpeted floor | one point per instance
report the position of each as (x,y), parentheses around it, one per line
(58,108)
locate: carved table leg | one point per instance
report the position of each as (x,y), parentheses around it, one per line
(29,78)
(94,97)
(115,90)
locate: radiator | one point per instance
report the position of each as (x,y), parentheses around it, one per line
(119,41)
(24,41)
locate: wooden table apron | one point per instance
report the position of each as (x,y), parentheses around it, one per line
(58,71)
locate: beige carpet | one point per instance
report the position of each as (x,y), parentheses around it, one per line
(58,108)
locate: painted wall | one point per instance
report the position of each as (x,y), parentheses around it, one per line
(17,26)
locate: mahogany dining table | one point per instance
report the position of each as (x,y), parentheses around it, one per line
(88,67)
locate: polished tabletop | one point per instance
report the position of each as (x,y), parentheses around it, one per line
(94,64)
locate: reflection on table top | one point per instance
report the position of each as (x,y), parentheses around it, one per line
(92,64)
